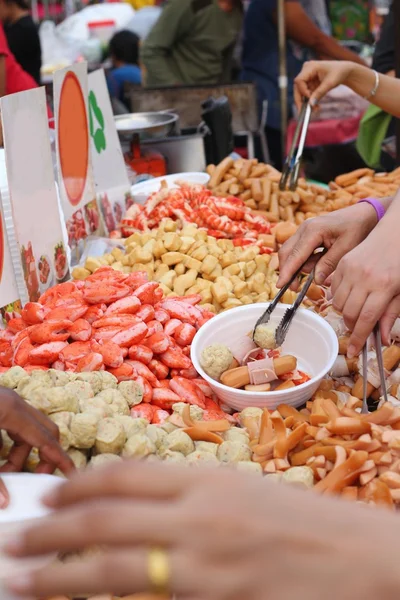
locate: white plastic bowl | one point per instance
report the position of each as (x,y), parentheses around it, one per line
(310,339)
(141,191)
(26,491)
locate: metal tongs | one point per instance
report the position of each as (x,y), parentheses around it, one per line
(282,329)
(379,357)
(291,168)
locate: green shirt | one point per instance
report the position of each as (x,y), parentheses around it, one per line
(191,44)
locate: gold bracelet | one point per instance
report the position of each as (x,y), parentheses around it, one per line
(375,88)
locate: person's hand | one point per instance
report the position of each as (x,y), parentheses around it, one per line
(318,77)
(28,428)
(366,287)
(339,232)
(227,535)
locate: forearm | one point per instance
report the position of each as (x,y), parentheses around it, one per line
(328,47)
(362,81)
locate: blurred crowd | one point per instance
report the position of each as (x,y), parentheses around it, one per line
(198,43)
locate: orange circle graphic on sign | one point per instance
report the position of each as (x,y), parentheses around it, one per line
(73,138)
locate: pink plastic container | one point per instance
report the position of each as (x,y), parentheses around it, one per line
(310,339)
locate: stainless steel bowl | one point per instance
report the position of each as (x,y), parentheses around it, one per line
(151,125)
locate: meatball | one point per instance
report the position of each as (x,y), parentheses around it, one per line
(264,336)
(110,438)
(206,447)
(84,430)
(215,360)
(131,391)
(196,413)
(82,389)
(179,441)
(233,452)
(139,446)
(249,467)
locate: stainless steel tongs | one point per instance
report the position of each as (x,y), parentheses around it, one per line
(291,168)
(379,357)
(282,329)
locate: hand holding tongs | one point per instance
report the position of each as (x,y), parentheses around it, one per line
(379,357)
(282,329)
(291,168)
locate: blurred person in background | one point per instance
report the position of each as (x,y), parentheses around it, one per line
(124,54)
(22,35)
(260,58)
(192,43)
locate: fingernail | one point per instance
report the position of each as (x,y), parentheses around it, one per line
(20,584)
(351,352)
(313,102)
(320,278)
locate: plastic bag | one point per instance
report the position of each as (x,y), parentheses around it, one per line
(75,28)
(56,49)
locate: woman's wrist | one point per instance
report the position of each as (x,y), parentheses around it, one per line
(360,79)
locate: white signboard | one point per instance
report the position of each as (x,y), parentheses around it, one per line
(113,189)
(9,296)
(75,175)
(35,210)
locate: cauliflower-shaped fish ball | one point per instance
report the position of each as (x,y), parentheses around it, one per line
(206,447)
(11,378)
(60,378)
(302,476)
(82,389)
(130,425)
(236,434)
(138,446)
(196,413)
(56,400)
(157,435)
(110,438)
(233,452)
(94,378)
(27,387)
(131,391)
(251,411)
(174,457)
(197,457)
(168,427)
(108,380)
(102,460)
(249,467)
(95,405)
(62,418)
(117,403)
(179,441)
(84,430)
(43,377)
(215,360)
(264,336)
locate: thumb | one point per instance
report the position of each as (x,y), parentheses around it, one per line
(328,263)
(388,319)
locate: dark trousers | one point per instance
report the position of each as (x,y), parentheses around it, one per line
(274,146)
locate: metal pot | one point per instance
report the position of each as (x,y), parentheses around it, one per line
(149,126)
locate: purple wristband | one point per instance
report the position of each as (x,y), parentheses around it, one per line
(378,206)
